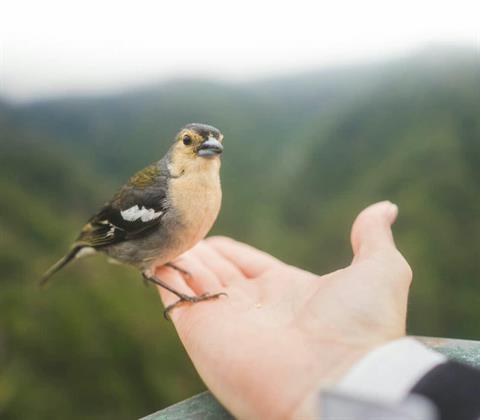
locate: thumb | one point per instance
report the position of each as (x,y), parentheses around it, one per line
(371,231)
(376,257)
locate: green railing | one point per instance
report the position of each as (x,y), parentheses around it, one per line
(205,407)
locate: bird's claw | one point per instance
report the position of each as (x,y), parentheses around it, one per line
(191,299)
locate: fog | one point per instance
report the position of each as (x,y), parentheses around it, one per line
(57,47)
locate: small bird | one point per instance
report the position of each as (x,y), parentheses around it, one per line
(161,212)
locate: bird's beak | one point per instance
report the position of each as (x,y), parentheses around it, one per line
(210,147)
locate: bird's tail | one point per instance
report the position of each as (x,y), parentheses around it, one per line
(60,264)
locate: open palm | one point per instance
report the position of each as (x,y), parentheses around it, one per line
(283,333)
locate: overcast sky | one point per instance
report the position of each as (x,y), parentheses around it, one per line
(53,47)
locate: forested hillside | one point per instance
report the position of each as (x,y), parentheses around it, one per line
(302,156)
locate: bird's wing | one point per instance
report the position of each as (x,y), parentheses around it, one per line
(138,207)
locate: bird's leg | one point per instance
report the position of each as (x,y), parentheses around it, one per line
(159,282)
(180,270)
(182,296)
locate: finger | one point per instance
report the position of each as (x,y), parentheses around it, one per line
(371,231)
(226,272)
(250,261)
(202,279)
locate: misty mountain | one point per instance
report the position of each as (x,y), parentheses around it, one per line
(303,155)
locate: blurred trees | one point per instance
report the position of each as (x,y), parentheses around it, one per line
(303,156)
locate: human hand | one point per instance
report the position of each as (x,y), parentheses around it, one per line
(283,333)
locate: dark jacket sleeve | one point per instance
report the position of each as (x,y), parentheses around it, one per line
(449,391)
(454,388)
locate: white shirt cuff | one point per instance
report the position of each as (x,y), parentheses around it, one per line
(389,372)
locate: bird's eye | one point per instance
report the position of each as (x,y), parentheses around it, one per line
(187,140)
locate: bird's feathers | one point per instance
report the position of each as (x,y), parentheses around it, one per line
(119,220)
(136,208)
(145,215)
(75,252)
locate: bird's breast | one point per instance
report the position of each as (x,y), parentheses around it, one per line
(196,197)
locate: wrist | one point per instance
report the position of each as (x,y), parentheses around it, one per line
(336,364)
(389,371)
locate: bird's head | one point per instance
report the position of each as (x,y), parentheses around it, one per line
(199,141)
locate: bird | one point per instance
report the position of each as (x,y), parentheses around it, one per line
(160,213)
